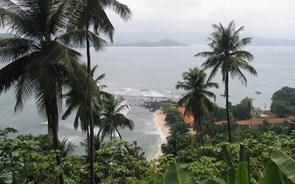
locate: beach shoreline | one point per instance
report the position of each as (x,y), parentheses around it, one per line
(159,120)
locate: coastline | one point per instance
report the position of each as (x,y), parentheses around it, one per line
(159,120)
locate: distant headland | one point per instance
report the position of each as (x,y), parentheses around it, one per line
(161,43)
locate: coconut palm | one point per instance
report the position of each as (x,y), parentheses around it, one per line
(112,118)
(79,102)
(197,98)
(228,56)
(75,100)
(92,13)
(40,65)
(135,150)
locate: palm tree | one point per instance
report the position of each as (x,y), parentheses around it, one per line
(135,150)
(196,99)
(76,100)
(112,118)
(40,65)
(92,13)
(79,101)
(67,148)
(228,56)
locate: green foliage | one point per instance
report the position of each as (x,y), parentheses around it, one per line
(220,113)
(114,164)
(280,108)
(178,139)
(197,97)
(112,119)
(177,174)
(227,54)
(208,160)
(283,102)
(158,179)
(173,116)
(27,159)
(171,112)
(242,111)
(285,164)
(23,160)
(166,106)
(285,94)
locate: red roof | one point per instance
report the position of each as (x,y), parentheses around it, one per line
(256,121)
(187,119)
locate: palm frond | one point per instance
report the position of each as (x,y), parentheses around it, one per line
(24,90)
(10,13)
(69,110)
(14,48)
(241,54)
(238,73)
(102,24)
(204,54)
(13,72)
(121,9)
(77,38)
(65,14)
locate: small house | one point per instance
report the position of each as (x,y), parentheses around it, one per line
(256,112)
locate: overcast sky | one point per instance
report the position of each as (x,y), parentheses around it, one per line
(265,18)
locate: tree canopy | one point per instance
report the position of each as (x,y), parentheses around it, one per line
(283,102)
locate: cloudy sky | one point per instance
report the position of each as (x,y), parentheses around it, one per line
(265,18)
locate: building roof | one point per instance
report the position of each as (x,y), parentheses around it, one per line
(187,119)
(256,109)
(256,121)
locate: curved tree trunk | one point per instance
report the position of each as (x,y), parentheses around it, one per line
(91,128)
(227,107)
(87,139)
(52,115)
(198,127)
(201,129)
(118,133)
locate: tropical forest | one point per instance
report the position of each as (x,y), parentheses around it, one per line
(203,128)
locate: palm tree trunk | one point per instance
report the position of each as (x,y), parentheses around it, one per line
(227,107)
(118,133)
(88,140)
(48,123)
(201,129)
(52,115)
(91,136)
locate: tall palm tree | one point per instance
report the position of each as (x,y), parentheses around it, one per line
(197,98)
(40,64)
(228,56)
(112,118)
(92,14)
(76,100)
(79,101)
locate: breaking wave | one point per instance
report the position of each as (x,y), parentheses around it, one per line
(144,93)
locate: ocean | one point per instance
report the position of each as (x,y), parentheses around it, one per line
(141,74)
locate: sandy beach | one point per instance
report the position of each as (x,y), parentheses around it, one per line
(159,119)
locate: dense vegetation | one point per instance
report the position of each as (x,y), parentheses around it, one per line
(42,64)
(28,158)
(283,102)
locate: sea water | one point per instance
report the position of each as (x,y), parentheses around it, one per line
(147,73)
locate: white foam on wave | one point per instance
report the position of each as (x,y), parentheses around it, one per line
(143,92)
(152,128)
(44,123)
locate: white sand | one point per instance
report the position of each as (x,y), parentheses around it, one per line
(159,119)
